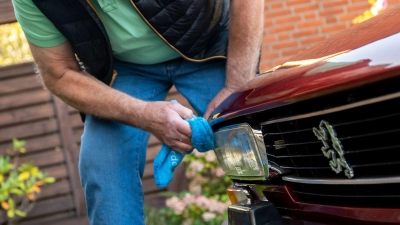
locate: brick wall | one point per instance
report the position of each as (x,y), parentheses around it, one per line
(295,25)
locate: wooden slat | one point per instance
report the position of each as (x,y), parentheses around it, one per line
(6,12)
(27,130)
(75,221)
(17,69)
(51,206)
(149,186)
(72,110)
(40,143)
(179,181)
(152,152)
(77,136)
(20,84)
(172,90)
(50,220)
(153,141)
(26,114)
(57,171)
(24,99)
(54,189)
(71,154)
(154,200)
(75,120)
(148,170)
(44,158)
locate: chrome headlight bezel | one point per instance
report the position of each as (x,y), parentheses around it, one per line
(240,146)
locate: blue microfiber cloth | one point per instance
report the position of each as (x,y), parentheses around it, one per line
(168,159)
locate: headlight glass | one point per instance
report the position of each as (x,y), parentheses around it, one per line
(241,152)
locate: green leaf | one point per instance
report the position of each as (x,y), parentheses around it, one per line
(19,145)
(49,180)
(16,191)
(11,203)
(20,213)
(11,213)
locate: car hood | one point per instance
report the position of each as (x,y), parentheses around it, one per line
(365,53)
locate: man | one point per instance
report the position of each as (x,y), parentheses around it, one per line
(155,44)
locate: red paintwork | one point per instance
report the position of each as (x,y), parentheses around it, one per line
(365,53)
(323,214)
(362,54)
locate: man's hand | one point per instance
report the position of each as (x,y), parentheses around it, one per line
(63,77)
(220,97)
(165,120)
(245,34)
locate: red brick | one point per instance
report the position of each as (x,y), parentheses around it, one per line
(348,17)
(289,19)
(306,32)
(268,23)
(331,12)
(359,8)
(281,60)
(269,56)
(281,29)
(338,27)
(331,19)
(334,3)
(306,8)
(283,37)
(290,52)
(312,40)
(297,2)
(309,16)
(265,66)
(269,39)
(276,5)
(289,27)
(277,13)
(315,23)
(284,44)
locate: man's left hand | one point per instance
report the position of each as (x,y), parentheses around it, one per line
(221,96)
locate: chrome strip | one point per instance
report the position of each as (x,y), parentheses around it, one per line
(340,108)
(379,180)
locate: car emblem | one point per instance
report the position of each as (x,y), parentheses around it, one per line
(336,163)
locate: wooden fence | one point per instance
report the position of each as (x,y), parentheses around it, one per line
(52,131)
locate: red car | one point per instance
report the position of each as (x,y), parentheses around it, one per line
(314,140)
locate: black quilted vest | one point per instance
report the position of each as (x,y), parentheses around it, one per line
(197,29)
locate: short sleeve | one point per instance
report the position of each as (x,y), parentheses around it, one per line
(38,29)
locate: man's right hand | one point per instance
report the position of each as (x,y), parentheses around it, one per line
(166,121)
(62,76)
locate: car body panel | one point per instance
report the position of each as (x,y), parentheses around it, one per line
(354,57)
(333,214)
(364,54)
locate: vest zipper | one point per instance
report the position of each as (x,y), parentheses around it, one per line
(170,45)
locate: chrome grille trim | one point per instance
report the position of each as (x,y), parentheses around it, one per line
(336,109)
(380,180)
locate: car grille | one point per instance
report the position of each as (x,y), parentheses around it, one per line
(368,133)
(370,138)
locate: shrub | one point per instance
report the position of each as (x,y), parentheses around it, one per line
(206,201)
(20,185)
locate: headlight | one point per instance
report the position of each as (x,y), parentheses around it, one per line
(241,152)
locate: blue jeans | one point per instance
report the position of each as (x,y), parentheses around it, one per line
(113,155)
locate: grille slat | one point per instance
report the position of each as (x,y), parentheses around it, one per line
(367,132)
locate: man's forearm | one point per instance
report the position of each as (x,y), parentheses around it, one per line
(88,95)
(245,38)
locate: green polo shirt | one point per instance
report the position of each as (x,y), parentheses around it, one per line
(132,40)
